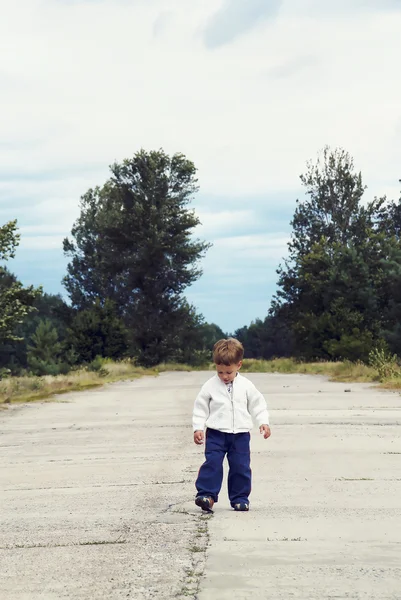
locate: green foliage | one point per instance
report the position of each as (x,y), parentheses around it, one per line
(181,339)
(336,313)
(211,333)
(4,372)
(385,363)
(97,366)
(44,342)
(333,208)
(266,339)
(44,351)
(15,303)
(133,245)
(9,240)
(14,354)
(15,300)
(337,289)
(97,331)
(391,296)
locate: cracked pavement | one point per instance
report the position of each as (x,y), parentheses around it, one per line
(93,489)
(97,488)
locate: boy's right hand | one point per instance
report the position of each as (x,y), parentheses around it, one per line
(199,437)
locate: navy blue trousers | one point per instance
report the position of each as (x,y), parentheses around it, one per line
(210,478)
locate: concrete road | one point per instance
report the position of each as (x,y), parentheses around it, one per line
(96,497)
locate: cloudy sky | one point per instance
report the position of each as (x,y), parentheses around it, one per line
(247,89)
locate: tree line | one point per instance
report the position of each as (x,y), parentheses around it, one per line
(339,290)
(131,254)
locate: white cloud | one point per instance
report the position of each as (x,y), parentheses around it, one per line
(91,83)
(44,229)
(161,23)
(219,222)
(41,242)
(245,258)
(260,247)
(85,83)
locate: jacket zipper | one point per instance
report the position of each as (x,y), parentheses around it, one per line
(232,402)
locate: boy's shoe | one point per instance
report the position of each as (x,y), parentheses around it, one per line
(242,506)
(205,502)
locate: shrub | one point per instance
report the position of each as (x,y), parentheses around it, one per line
(385,363)
(97,365)
(4,373)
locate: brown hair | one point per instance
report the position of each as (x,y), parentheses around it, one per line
(228,352)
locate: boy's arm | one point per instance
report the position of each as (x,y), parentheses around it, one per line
(257,406)
(201,410)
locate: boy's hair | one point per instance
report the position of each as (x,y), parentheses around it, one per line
(228,352)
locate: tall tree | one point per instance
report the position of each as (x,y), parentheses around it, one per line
(332,208)
(15,300)
(391,288)
(332,289)
(133,244)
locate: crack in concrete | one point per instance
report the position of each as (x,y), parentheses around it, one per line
(72,544)
(102,486)
(199,544)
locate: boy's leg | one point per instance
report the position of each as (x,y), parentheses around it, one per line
(239,475)
(210,475)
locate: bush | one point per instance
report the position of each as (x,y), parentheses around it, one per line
(351,346)
(4,373)
(97,366)
(385,363)
(40,367)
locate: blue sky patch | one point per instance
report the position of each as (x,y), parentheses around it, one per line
(237,17)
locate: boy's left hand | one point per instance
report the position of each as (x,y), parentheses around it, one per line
(265,429)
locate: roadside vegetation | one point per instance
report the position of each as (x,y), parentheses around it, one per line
(335,371)
(132,254)
(29,388)
(383,371)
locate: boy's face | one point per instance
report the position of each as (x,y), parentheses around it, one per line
(228,373)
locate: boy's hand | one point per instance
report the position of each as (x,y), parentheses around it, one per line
(199,437)
(265,429)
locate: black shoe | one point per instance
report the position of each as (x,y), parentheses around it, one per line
(205,502)
(241,506)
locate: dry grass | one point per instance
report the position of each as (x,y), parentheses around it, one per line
(336,371)
(393,383)
(164,367)
(28,389)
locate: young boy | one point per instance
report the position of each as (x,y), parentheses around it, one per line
(227,405)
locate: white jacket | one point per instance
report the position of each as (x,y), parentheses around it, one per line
(215,409)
